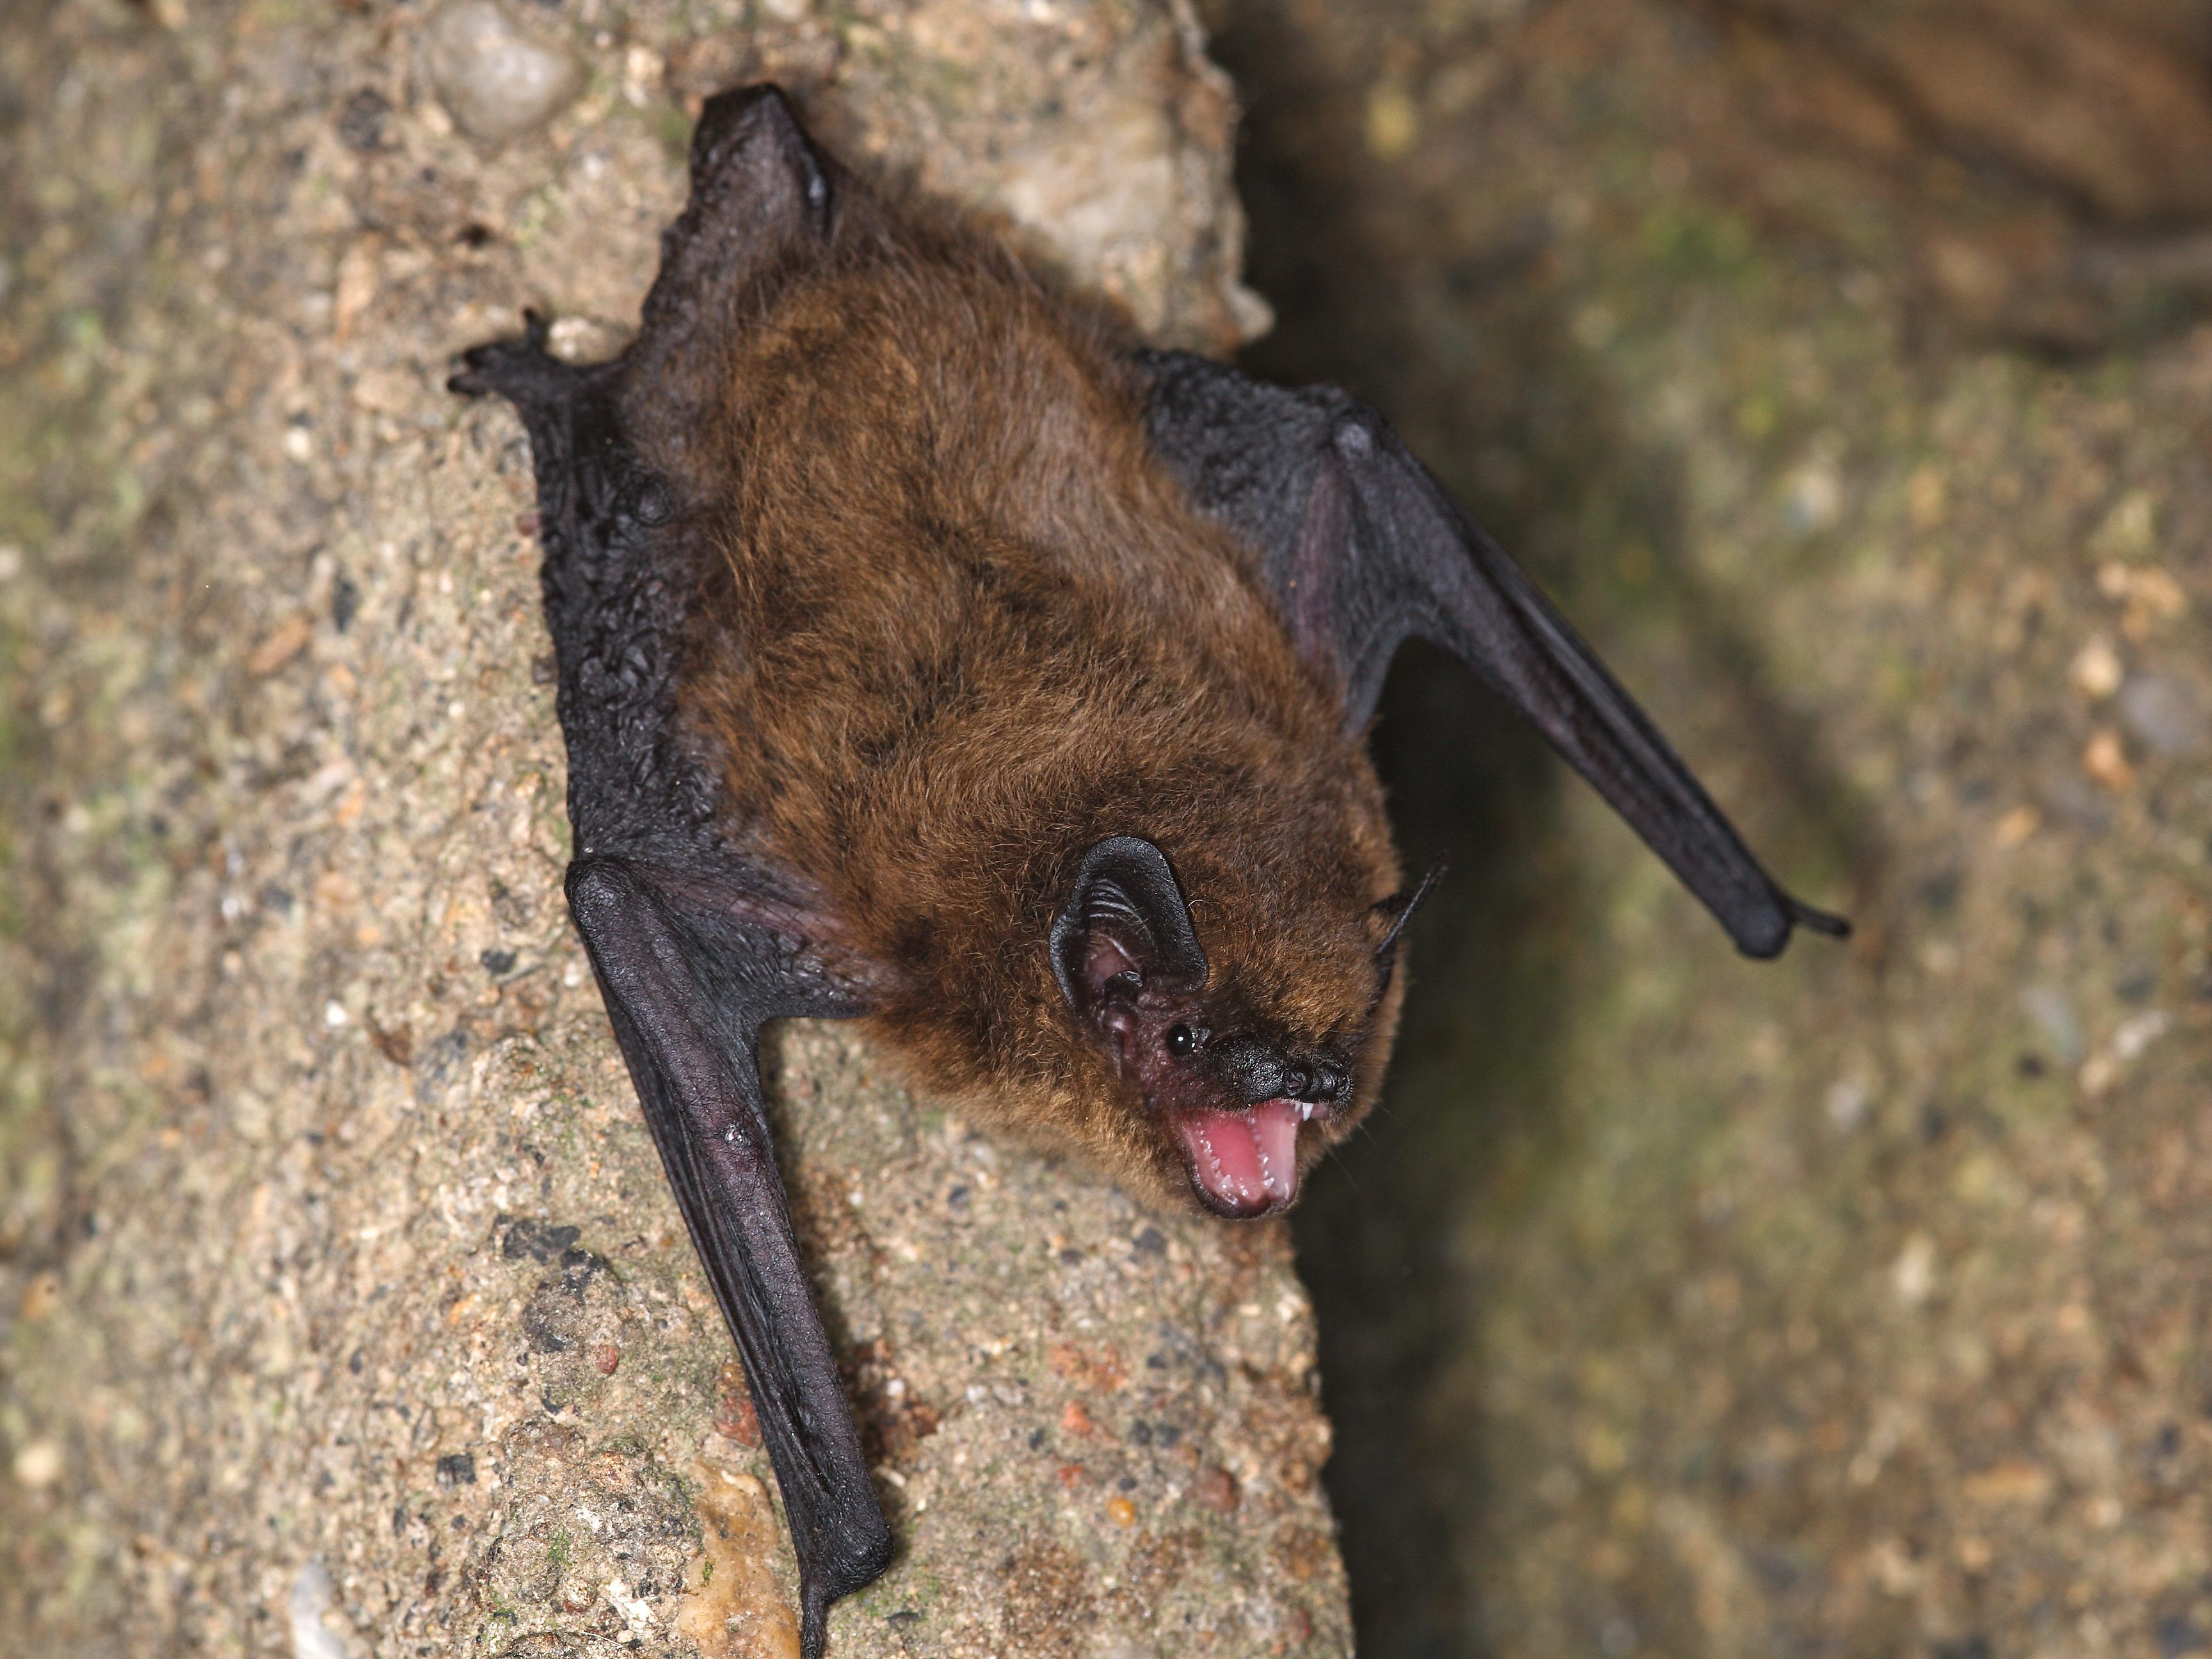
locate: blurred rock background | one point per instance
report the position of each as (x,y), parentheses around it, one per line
(1846,372)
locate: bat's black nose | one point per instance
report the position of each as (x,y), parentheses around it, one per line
(1252,1067)
(1255,1069)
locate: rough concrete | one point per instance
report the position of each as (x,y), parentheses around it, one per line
(343,1310)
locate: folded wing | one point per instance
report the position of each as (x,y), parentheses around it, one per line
(1362,549)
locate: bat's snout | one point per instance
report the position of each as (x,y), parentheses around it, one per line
(1256,1070)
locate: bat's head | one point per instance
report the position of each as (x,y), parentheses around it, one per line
(1247,1068)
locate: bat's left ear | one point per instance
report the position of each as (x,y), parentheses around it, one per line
(1125,925)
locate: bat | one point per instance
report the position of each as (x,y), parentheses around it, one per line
(930,657)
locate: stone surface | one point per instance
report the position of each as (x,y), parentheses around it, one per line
(343,1308)
(494,78)
(2031,163)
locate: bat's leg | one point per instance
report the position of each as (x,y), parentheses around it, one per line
(687,997)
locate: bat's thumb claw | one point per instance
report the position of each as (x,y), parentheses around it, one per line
(1819,921)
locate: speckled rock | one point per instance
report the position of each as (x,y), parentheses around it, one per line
(494,78)
(343,1309)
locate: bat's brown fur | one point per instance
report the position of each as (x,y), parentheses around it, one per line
(879,556)
(961,627)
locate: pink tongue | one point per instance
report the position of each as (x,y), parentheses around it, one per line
(1247,1160)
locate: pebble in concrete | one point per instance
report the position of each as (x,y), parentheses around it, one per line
(497,82)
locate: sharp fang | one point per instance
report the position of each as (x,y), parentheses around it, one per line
(1305,1111)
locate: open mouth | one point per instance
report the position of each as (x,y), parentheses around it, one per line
(1245,1164)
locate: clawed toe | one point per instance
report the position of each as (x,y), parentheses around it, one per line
(506,367)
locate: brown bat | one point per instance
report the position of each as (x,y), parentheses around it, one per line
(929,656)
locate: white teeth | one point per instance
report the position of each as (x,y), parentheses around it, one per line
(1305,1111)
(1211,1156)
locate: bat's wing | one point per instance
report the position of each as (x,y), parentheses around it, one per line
(687,989)
(693,945)
(1363,547)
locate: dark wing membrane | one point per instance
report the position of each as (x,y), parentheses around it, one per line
(687,1004)
(1363,547)
(676,923)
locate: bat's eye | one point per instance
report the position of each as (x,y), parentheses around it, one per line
(1183,1042)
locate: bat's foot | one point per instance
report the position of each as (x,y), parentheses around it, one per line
(519,370)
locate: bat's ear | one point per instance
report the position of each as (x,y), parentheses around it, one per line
(1125,925)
